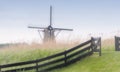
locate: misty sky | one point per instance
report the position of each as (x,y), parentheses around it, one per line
(86,17)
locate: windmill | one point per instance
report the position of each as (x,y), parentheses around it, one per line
(49,31)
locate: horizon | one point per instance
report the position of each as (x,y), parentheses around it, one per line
(86,18)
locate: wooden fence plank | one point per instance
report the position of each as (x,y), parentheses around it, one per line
(79,52)
(74,48)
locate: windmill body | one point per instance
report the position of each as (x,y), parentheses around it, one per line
(49,32)
(49,35)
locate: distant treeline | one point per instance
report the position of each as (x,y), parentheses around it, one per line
(11,44)
(4,45)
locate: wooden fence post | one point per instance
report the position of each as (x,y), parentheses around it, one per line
(0,69)
(65,57)
(115,43)
(117,48)
(96,45)
(36,66)
(92,44)
(100,46)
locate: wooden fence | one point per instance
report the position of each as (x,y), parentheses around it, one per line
(117,43)
(57,60)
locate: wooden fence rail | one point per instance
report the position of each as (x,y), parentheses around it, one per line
(57,60)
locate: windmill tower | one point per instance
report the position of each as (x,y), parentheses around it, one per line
(49,31)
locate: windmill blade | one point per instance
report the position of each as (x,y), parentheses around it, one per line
(57,33)
(50,15)
(40,34)
(63,29)
(36,27)
(50,34)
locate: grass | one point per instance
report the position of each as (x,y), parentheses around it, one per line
(108,62)
(25,52)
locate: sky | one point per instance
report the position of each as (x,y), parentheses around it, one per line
(86,17)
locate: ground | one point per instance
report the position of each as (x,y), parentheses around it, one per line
(108,62)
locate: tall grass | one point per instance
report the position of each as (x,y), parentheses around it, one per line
(26,52)
(108,62)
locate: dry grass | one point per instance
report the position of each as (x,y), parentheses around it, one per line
(51,46)
(108,42)
(25,52)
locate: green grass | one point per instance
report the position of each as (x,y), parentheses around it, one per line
(13,56)
(108,62)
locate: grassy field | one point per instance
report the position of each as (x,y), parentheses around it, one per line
(108,62)
(24,52)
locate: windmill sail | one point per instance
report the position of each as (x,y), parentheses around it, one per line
(63,29)
(50,15)
(36,27)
